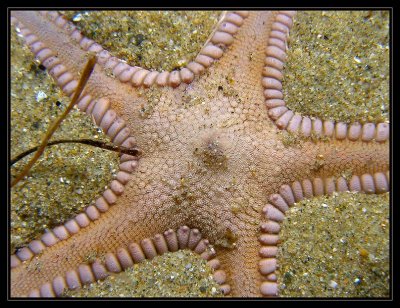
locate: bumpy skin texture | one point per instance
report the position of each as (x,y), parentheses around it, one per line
(211,157)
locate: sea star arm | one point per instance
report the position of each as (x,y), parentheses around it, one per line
(60,47)
(124,235)
(312,169)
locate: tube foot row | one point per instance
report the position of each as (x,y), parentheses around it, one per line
(125,257)
(285,118)
(274,213)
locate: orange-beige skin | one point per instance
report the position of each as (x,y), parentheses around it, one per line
(212,157)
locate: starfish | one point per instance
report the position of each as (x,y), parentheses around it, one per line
(213,167)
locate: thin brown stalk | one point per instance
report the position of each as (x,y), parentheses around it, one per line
(94,143)
(82,82)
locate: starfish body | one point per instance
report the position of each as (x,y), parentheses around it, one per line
(212,158)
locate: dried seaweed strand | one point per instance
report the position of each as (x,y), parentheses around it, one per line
(82,82)
(94,143)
